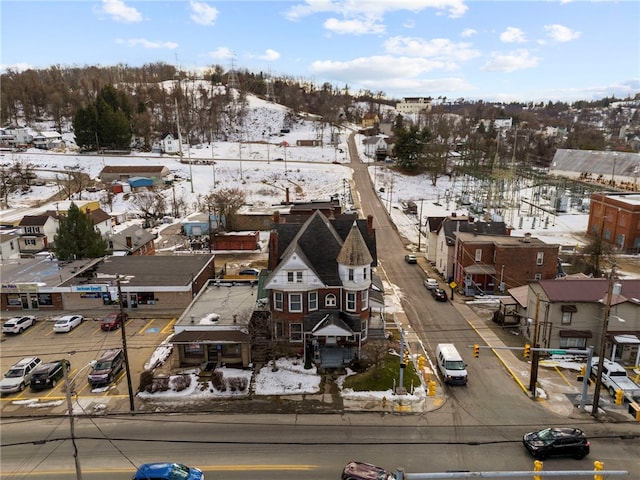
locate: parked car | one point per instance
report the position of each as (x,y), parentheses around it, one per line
(430,283)
(411,258)
(67,323)
(439,294)
(105,370)
(18,324)
(254,272)
(566,442)
(365,471)
(47,375)
(167,471)
(19,375)
(113,321)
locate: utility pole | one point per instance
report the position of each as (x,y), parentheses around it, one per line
(603,343)
(420,224)
(533,376)
(72,428)
(132,407)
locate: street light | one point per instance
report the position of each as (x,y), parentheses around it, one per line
(69,383)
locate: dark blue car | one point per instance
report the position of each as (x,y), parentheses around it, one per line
(167,471)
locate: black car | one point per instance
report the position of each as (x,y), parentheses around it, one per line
(47,375)
(565,442)
(439,294)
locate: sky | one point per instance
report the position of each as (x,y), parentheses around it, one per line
(545,50)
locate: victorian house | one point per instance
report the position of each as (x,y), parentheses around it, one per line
(320,284)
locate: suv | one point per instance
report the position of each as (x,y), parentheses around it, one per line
(19,375)
(46,375)
(18,324)
(167,471)
(411,258)
(105,370)
(568,442)
(113,321)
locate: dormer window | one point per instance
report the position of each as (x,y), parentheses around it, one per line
(330,300)
(294,277)
(351,275)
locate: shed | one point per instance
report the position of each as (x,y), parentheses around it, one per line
(237,241)
(140,182)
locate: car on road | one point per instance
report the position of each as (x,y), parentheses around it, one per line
(113,321)
(18,324)
(411,258)
(430,283)
(167,471)
(365,471)
(564,442)
(67,323)
(439,294)
(254,272)
(19,375)
(47,375)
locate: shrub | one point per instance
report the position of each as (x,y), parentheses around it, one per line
(217,380)
(180,382)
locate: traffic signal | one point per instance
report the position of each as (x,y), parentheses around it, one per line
(527,351)
(421,362)
(598,467)
(537,467)
(431,388)
(476,350)
(583,370)
(405,358)
(619,397)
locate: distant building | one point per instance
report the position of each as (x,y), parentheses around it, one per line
(615,217)
(414,105)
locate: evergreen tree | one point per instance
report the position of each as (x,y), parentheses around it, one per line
(84,126)
(77,238)
(409,148)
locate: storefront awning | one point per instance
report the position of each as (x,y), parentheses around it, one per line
(210,336)
(626,339)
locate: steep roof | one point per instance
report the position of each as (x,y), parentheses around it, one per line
(33,220)
(320,241)
(354,251)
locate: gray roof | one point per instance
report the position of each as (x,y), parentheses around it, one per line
(625,164)
(590,290)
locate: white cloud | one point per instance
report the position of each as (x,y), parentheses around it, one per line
(511,62)
(221,53)
(202,13)
(351,8)
(120,12)
(560,33)
(16,67)
(468,32)
(513,35)
(438,48)
(142,42)
(269,55)
(354,26)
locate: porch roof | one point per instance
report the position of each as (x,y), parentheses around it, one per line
(210,336)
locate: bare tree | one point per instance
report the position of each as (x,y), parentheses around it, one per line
(73,181)
(151,204)
(374,352)
(225,203)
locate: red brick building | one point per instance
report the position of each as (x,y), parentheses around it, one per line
(492,263)
(615,217)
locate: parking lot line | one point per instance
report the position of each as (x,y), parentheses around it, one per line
(169,327)
(146,326)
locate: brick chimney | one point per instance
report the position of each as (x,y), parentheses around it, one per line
(276,216)
(129,242)
(273,250)
(286,198)
(370,224)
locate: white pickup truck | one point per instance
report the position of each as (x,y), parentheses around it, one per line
(614,378)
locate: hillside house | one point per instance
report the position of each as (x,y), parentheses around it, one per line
(101,221)
(319,282)
(133,240)
(414,105)
(37,233)
(370,120)
(492,263)
(123,173)
(47,140)
(9,245)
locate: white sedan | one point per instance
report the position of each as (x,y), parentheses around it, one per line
(67,323)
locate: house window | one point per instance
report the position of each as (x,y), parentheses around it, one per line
(351,302)
(290,277)
(295,302)
(11,245)
(540,258)
(365,272)
(364,299)
(30,241)
(351,276)
(478,254)
(620,239)
(566,318)
(537,276)
(363,329)
(330,300)
(294,277)
(573,342)
(277,301)
(295,332)
(313,300)
(298,277)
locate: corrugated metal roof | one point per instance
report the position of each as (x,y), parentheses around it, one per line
(627,164)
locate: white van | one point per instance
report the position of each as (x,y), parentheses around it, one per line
(451,365)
